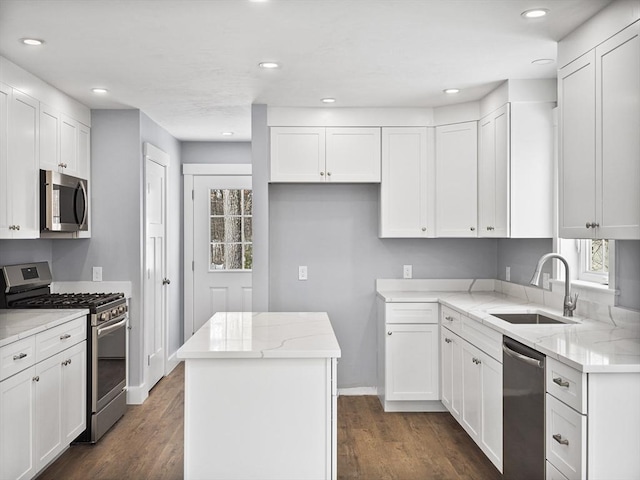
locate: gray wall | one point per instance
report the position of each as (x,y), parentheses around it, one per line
(216,152)
(151,132)
(24,251)
(628,273)
(332,229)
(260,171)
(522,255)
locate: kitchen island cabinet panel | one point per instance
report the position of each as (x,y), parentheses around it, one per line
(260,397)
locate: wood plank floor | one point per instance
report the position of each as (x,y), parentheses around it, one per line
(147,444)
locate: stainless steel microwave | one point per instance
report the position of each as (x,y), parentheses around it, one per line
(64,202)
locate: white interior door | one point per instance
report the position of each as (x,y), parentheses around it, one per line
(155,278)
(222,246)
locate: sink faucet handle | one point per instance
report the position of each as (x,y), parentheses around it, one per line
(573,302)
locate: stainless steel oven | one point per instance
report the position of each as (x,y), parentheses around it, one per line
(109,376)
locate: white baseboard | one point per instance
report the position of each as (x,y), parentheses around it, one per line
(355,391)
(172,362)
(137,395)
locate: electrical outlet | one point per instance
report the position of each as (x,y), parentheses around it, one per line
(97,274)
(507,274)
(302,272)
(545,281)
(407,271)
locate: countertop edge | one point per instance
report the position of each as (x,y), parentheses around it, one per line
(66,315)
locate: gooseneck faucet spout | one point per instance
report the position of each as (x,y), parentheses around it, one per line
(569,302)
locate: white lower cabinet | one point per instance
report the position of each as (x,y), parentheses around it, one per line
(408,357)
(42,410)
(17,417)
(472,381)
(451,367)
(592,424)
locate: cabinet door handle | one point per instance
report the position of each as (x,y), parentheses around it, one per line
(447,340)
(19,356)
(558,438)
(322,174)
(424,229)
(328,174)
(65,336)
(473,229)
(389,333)
(17,227)
(561,382)
(490,228)
(36,378)
(447,317)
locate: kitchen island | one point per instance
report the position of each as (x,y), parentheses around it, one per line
(260,397)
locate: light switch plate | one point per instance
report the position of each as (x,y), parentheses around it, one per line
(407,271)
(302,272)
(97,274)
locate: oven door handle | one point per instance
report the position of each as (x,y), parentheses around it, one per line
(111,328)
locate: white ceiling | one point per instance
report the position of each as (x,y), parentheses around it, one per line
(191,65)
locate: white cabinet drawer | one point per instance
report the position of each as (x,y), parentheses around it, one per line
(451,319)
(485,338)
(17,356)
(411,313)
(552,473)
(566,439)
(566,384)
(60,338)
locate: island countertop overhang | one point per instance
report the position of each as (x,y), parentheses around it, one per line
(263,335)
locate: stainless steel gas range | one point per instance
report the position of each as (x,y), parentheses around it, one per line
(28,286)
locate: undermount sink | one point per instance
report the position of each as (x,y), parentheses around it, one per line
(528,318)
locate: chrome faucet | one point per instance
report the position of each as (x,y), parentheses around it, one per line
(569,303)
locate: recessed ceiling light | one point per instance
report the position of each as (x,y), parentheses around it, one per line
(269,65)
(535,13)
(99,90)
(328,100)
(227,134)
(543,61)
(32,41)
(451,91)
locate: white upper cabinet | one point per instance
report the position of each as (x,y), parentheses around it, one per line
(599,97)
(403,190)
(19,180)
(515,171)
(63,143)
(318,154)
(493,174)
(456,180)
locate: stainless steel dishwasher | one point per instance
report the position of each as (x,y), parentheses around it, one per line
(523,391)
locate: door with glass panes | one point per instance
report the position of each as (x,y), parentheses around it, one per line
(223,250)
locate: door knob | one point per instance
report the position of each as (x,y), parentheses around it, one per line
(166,281)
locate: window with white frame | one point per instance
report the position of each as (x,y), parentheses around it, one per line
(231,235)
(594,260)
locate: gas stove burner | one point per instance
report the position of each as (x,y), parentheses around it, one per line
(68,300)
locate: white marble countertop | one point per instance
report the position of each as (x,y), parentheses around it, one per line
(22,323)
(587,345)
(263,335)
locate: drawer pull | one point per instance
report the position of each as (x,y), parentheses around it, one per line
(447,340)
(65,336)
(558,438)
(447,317)
(19,356)
(66,362)
(561,382)
(389,333)
(36,379)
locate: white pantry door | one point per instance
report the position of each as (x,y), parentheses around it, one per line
(222,247)
(155,279)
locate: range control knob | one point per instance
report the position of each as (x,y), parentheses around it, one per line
(104,316)
(121,309)
(114,312)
